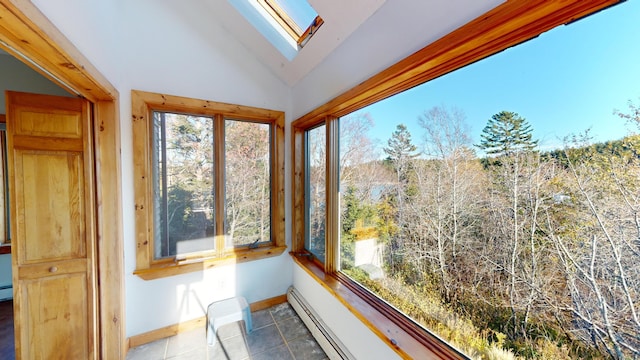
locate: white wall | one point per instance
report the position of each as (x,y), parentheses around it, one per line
(359,339)
(16,76)
(398,29)
(160,46)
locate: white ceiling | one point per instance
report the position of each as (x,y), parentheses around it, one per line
(403,25)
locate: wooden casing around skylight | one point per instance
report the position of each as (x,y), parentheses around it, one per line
(288,23)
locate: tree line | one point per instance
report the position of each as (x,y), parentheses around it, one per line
(539,250)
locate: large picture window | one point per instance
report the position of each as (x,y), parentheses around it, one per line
(491,210)
(208,183)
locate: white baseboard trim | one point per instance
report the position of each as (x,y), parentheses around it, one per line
(331,345)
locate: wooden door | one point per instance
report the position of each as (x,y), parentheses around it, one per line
(52,211)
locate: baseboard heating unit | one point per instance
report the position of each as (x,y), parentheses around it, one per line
(331,345)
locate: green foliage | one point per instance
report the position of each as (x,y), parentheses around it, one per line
(505,134)
(354,210)
(400,150)
(544,340)
(386,225)
(597,154)
(399,146)
(183,222)
(421,303)
(355,213)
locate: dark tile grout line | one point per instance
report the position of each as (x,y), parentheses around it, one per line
(243,334)
(284,340)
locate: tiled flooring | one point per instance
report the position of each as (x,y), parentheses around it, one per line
(278,333)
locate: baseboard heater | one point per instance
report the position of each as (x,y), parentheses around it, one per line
(331,345)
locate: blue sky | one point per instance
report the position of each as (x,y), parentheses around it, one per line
(564,82)
(301,12)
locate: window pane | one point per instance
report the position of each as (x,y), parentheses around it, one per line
(183,173)
(501,208)
(5,222)
(316,190)
(364,186)
(247,182)
(299,10)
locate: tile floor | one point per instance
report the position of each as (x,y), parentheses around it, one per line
(278,333)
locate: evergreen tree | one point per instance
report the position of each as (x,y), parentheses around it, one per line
(506,133)
(400,151)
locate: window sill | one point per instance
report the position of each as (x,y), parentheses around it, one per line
(5,249)
(408,341)
(232,257)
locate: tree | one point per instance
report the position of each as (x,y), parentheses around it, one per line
(185,180)
(401,151)
(247,182)
(360,166)
(448,185)
(507,133)
(316,186)
(632,116)
(598,249)
(362,179)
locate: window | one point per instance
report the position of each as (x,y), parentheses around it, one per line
(297,18)
(316,188)
(288,25)
(208,183)
(183,184)
(247,182)
(404,206)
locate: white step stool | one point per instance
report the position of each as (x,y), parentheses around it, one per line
(225,312)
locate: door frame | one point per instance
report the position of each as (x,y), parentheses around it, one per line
(29,36)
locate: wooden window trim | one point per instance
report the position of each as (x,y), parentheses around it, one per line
(407,339)
(507,25)
(311,30)
(143,104)
(286,22)
(282,18)
(5,245)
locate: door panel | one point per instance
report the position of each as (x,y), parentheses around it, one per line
(55,303)
(39,122)
(51,184)
(58,214)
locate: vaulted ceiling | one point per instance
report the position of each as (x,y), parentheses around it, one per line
(393,29)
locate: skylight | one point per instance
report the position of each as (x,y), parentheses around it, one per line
(296,17)
(287,24)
